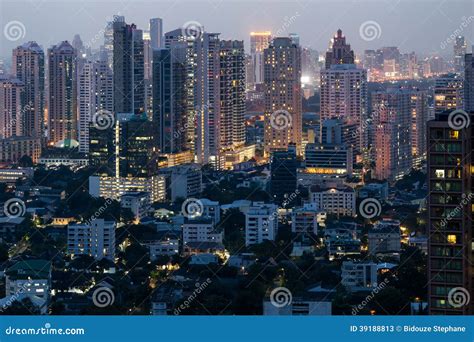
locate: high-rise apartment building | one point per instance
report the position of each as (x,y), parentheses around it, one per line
(28,67)
(232,94)
(11,107)
(459,49)
(344,96)
(95,238)
(448,93)
(95,94)
(62,99)
(469,83)
(283,99)
(392,115)
(450,261)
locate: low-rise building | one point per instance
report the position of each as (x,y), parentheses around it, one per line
(261,223)
(182,181)
(12,175)
(12,149)
(334,199)
(304,220)
(360,276)
(200,229)
(137,202)
(96,239)
(385,237)
(166,247)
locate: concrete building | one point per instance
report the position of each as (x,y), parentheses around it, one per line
(385,237)
(359,276)
(448,93)
(95,238)
(137,202)
(200,230)
(182,181)
(334,199)
(15,147)
(304,220)
(11,107)
(261,223)
(259,41)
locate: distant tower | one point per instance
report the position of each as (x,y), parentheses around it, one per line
(156,33)
(339,52)
(62,110)
(11,105)
(28,67)
(469,83)
(259,41)
(460,49)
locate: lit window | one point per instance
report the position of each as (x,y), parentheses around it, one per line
(454,134)
(439,173)
(452,238)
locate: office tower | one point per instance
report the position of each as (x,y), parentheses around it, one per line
(28,67)
(11,107)
(259,41)
(460,49)
(232,94)
(95,95)
(391,62)
(128,69)
(283,167)
(392,116)
(136,155)
(344,96)
(283,102)
(95,238)
(62,104)
(109,39)
(169,98)
(450,240)
(469,83)
(329,155)
(156,33)
(340,52)
(78,45)
(102,150)
(448,93)
(207,99)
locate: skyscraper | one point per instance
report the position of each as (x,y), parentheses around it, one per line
(340,52)
(392,116)
(207,99)
(344,96)
(232,94)
(460,49)
(28,67)
(11,107)
(128,69)
(449,223)
(448,93)
(156,33)
(283,168)
(95,94)
(469,83)
(62,110)
(169,98)
(259,41)
(283,102)
(109,39)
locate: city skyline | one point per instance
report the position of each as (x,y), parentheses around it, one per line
(313,21)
